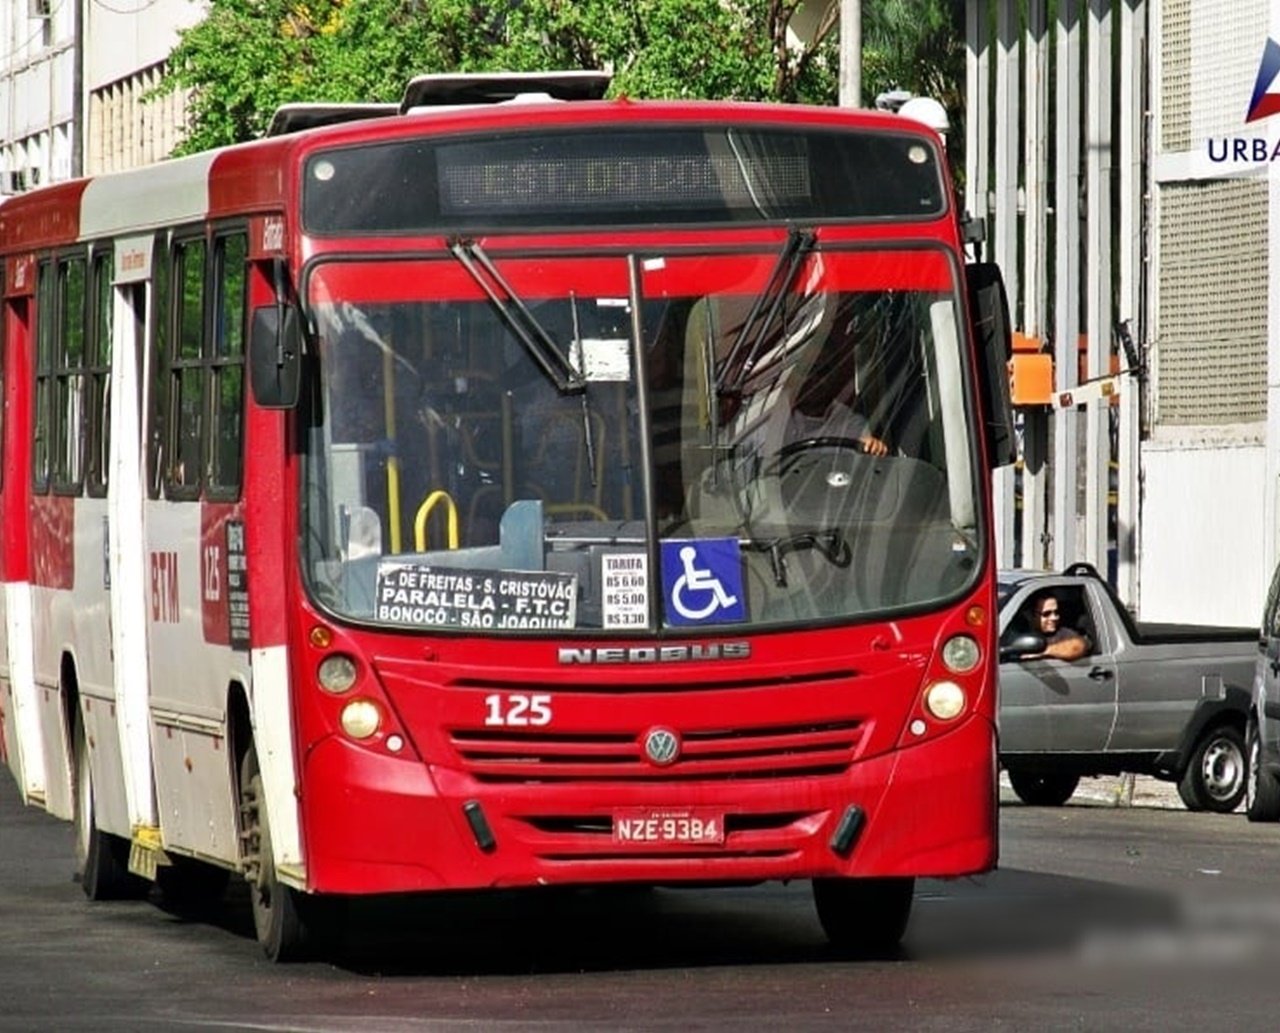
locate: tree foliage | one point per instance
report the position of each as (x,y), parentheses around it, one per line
(250,56)
(916,45)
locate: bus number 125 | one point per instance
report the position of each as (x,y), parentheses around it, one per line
(517,710)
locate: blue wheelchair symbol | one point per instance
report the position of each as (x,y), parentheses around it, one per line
(702,581)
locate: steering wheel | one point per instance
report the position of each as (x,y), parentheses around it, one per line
(805,444)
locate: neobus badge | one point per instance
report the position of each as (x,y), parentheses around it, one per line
(656,654)
(21,276)
(133,259)
(273,235)
(266,236)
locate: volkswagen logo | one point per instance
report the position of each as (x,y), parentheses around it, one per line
(662,746)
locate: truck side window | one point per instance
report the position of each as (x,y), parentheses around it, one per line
(1062,610)
(1085,624)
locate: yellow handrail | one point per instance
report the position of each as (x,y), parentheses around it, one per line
(424,512)
(393,464)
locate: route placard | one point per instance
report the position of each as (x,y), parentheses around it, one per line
(418,595)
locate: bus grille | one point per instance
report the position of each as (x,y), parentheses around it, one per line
(769,752)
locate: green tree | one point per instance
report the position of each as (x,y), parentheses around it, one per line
(917,45)
(250,56)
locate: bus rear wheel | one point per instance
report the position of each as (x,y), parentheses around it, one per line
(102,860)
(864,917)
(277,917)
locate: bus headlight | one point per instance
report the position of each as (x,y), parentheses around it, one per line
(337,673)
(944,700)
(961,654)
(361,718)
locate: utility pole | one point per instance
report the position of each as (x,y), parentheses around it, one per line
(851,53)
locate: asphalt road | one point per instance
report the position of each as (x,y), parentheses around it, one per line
(1100,917)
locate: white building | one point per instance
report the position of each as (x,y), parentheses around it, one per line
(1211,464)
(1108,206)
(85,63)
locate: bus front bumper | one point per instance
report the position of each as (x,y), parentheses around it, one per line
(379,824)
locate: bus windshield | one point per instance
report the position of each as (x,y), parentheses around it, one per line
(631,442)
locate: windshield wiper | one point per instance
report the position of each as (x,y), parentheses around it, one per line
(516,315)
(830,543)
(734,372)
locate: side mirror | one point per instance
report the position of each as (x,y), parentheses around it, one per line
(275,347)
(989,310)
(1021,644)
(275,357)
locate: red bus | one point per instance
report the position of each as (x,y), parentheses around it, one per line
(504,489)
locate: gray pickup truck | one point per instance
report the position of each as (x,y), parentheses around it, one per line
(1164,700)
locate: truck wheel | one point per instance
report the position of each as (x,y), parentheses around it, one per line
(1215,778)
(866,917)
(102,860)
(1262,793)
(1042,790)
(277,917)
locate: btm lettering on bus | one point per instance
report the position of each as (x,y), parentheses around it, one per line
(164,587)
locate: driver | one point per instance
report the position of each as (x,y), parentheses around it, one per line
(1061,642)
(822,406)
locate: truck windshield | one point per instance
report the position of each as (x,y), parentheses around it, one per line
(738,448)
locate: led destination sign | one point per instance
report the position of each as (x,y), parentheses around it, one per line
(641,175)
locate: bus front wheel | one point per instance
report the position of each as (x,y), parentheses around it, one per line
(277,917)
(865,917)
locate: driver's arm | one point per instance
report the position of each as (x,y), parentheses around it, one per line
(1072,648)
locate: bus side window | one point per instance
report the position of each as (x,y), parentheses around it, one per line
(46,282)
(158,369)
(186,371)
(67,438)
(98,375)
(226,362)
(4,361)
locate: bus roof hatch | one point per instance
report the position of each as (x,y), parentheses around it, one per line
(452,90)
(294,118)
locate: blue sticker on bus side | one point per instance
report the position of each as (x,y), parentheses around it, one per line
(702,581)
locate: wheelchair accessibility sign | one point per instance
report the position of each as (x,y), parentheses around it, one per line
(702,581)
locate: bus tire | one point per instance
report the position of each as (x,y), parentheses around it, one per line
(102,860)
(864,917)
(277,916)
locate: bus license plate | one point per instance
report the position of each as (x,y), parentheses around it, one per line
(643,825)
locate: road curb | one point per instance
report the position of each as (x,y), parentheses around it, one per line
(1114,791)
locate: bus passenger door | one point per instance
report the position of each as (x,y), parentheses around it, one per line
(23,746)
(125,493)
